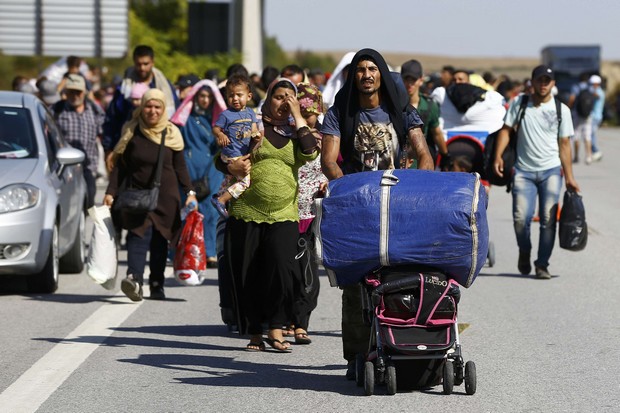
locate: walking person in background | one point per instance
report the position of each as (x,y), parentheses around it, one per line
(120,108)
(413,77)
(262,230)
(543,151)
(581,102)
(597,114)
(370,116)
(135,157)
(196,117)
(81,120)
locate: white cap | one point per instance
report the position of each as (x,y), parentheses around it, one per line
(595,80)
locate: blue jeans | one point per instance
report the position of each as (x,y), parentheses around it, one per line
(527,186)
(138,247)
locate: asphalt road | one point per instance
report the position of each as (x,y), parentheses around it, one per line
(539,346)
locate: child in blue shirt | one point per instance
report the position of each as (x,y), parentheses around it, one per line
(236,131)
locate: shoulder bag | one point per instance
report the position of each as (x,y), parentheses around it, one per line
(142,200)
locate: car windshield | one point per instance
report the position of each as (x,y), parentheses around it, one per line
(16,135)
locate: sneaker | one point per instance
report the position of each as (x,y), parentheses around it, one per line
(597,156)
(588,160)
(157,292)
(542,273)
(131,288)
(350,375)
(221,208)
(524,263)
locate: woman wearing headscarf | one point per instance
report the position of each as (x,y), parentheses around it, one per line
(311,181)
(196,117)
(262,229)
(135,159)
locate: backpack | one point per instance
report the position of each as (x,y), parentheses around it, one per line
(584,103)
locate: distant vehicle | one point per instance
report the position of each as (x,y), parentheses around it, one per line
(42,195)
(569,62)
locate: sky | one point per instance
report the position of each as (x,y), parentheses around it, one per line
(454,28)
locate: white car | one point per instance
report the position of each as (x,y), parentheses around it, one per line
(42,195)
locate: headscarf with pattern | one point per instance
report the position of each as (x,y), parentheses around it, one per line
(310,99)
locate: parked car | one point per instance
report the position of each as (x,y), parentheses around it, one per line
(42,195)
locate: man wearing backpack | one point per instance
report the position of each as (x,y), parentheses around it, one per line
(368,122)
(543,150)
(582,102)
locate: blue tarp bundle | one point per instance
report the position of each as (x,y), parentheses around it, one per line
(386,218)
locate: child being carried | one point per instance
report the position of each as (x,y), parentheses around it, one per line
(237,133)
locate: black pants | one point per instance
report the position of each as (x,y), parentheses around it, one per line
(306,283)
(355,334)
(261,258)
(91,186)
(137,248)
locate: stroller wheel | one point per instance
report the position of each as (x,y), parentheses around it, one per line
(359,369)
(491,254)
(470,377)
(369,378)
(390,379)
(448,377)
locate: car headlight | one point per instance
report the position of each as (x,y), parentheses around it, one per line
(18,197)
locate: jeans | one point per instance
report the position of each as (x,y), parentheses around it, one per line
(526,187)
(137,248)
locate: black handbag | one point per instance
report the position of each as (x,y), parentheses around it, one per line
(139,201)
(202,188)
(573,229)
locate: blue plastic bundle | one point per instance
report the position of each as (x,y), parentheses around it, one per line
(375,219)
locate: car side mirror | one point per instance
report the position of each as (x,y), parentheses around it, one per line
(69,156)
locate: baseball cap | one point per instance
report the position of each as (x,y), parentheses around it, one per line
(411,68)
(542,70)
(75,82)
(48,90)
(187,80)
(595,80)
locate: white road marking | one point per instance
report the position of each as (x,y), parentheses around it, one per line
(39,382)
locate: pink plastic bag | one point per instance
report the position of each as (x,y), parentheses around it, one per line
(190,258)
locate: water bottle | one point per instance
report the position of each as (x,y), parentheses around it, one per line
(187,209)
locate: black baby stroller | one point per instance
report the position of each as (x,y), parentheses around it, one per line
(414,337)
(468,147)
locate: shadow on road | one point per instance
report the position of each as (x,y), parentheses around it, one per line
(231,372)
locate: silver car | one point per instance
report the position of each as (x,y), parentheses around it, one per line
(42,195)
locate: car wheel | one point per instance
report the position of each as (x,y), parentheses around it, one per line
(47,280)
(73,260)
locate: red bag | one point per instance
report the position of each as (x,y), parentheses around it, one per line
(190,258)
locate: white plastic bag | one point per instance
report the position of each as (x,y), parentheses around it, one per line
(101,264)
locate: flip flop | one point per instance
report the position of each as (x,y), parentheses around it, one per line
(255,346)
(272,343)
(302,338)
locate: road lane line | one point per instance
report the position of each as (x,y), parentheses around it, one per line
(39,382)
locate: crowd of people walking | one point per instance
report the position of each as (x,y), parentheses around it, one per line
(252,152)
